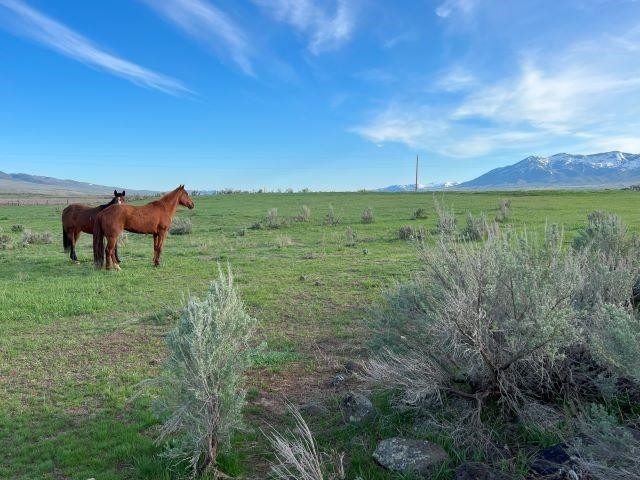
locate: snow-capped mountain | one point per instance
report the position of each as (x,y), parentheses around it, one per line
(563,170)
(410,187)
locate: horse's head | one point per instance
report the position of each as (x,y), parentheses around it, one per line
(118,197)
(185,199)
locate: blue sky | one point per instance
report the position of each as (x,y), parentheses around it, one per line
(329,95)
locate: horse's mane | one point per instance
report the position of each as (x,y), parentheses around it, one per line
(167,196)
(113,201)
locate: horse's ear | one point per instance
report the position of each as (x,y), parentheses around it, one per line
(115,193)
(123,193)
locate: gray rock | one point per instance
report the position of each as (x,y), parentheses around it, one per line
(357,407)
(479,471)
(409,456)
(350,366)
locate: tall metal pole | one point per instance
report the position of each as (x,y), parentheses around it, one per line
(416,173)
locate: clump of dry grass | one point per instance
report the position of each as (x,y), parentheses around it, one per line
(283,241)
(298,456)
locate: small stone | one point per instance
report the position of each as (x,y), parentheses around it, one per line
(357,407)
(479,471)
(317,283)
(302,278)
(409,456)
(351,366)
(338,379)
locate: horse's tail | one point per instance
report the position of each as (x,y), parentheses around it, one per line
(66,241)
(98,243)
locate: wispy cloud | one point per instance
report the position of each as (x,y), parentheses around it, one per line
(429,128)
(210,25)
(407,37)
(452,7)
(328,29)
(25,21)
(564,100)
(456,79)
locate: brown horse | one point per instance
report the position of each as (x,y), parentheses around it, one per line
(154,217)
(78,218)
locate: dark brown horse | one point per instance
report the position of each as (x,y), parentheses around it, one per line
(78,218)
(154,217)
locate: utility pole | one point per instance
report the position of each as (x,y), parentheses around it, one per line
(416,173)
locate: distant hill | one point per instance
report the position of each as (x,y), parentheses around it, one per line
(22,183)
(410,187)
(563,170)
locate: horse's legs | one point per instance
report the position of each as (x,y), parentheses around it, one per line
(74,239)
(158,242)
(156,249)
(111,257)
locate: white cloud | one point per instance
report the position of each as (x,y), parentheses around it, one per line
(28,22)
(407,37)
(326,30)
(563,101)
(430,129)
(210,25)
(550,99)
(456,79)
(451,7)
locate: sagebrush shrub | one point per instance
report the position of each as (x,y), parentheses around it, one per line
(6,242)
(351,237)
(491,324)
(407,232)
(304,215)
(478,228)
(367,215)
(604,449)
(447,222)
(419,213)
(331,219)
(181,226)
(504,210)
(202,381)
(36,238)
(17,228)
(604,232)
(272,219)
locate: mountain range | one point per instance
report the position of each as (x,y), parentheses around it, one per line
(22,183)
(563,170)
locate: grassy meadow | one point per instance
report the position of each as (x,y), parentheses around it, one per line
(74,341)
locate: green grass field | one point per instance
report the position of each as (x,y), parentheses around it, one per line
(74,342)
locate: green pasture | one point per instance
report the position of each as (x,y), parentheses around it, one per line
(74,341)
